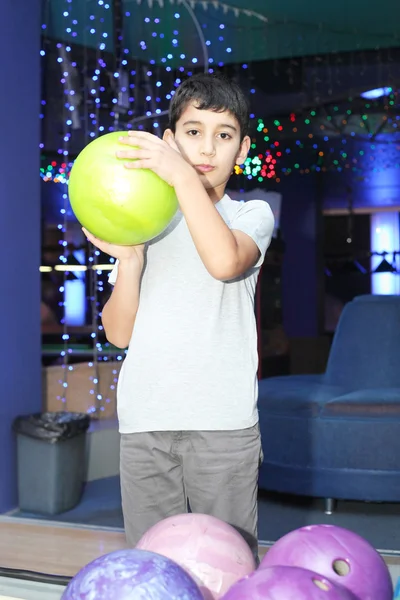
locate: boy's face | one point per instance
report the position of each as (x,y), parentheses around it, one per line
(211,142)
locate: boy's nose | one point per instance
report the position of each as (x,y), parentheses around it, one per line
(208,151)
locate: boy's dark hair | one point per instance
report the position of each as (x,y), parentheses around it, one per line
(210,92)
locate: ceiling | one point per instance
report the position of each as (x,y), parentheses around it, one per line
(235,31)
(294,60)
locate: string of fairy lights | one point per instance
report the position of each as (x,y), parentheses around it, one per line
(88,111)
(277,152)
(72,121)
(104,90)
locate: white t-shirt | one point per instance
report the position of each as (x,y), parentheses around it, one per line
(192,359)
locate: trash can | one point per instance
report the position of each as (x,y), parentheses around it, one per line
(50,461)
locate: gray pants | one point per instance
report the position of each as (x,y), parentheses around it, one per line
(215,472)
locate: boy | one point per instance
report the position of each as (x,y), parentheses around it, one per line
(184,304)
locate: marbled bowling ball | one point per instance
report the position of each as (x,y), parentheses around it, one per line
(132,575)
(339,554)
(287,583)
(214,553)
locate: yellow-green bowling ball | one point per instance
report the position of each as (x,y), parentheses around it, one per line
(118,205)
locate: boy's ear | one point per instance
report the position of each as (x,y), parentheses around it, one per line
(169,138)
(243,150)
(168,135)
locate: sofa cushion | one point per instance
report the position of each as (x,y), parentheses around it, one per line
(295,379)
(366,346)
(376,298)
(370,403)
(295,395)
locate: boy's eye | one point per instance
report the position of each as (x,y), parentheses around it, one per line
(193,132)
(225,136)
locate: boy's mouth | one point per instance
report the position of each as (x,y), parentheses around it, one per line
(204,168)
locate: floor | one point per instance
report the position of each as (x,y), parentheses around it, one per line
(278,514)
(38,554)
(63,549)
(37,558)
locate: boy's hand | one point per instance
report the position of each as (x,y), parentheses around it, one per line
(149,152)
(121,253)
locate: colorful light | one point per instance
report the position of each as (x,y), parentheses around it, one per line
(385,238)
(57,171)
(275,152)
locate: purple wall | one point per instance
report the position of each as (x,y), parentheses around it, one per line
(302,268)
(373,189)
(20,368)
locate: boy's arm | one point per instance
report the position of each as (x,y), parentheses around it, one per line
(226,253)
(119,312)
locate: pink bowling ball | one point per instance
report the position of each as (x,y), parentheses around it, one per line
(210,550)
(286,583)
(338,554)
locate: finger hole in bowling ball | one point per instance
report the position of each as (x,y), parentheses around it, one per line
(322,585)
(341,567)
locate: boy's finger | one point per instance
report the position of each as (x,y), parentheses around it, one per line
(86,232)
(92,238)
(144,135)
(139,141)
(133,154)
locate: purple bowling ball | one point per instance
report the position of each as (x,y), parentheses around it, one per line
(132,575)
(338,554)
(286,583)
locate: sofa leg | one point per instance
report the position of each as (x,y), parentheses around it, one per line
(330,505)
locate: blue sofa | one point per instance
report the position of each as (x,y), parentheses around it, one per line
(337,435)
